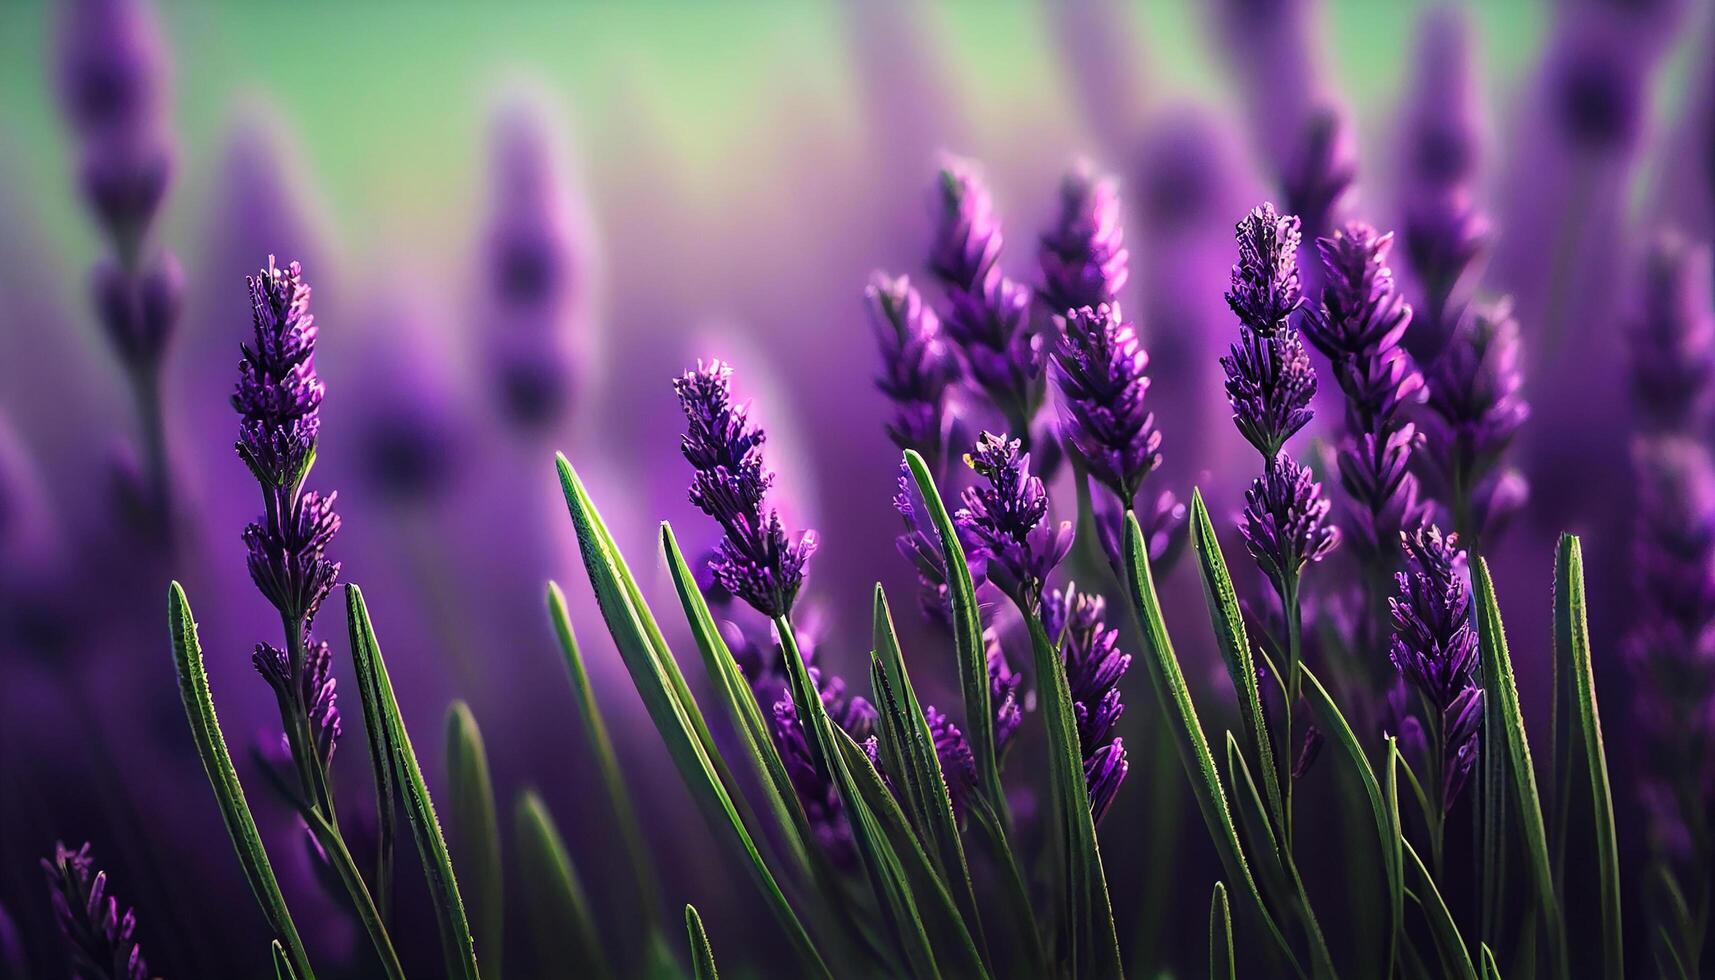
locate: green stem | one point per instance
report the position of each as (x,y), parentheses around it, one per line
(1294,686)
(338,855)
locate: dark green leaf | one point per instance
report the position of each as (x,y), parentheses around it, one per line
(476,831)
(915,766)
(967,637)
(457,946)
(667,699)
(228,792)
(595,729)
(702,956)
(1229,623)
(1499,684)
(1572,651)
(1455,958)
(1174,699)
(282,964)
(564,935)
(1491,969)
(1221,965)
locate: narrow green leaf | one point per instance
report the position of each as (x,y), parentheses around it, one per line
(1279,870)
(702,956)
(476,831)
(1455,957)
(967,638)
(667,699)
(457,946)
(916,768)
(914,898)
(1383,807)
(1221,965)
(1500,684)
(1491,969)
(1024,955)
(1572,650)
(1229,622)
(595,729)
(562,932)
(379,737)
(339,858)
(223,778)
(1088,914)
(282,963)
(1174,699)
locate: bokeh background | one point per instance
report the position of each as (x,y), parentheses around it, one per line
(723,179)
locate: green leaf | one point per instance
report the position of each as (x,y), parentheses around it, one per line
(1384,808)
(1491,969)
(702,956)
(667,699)
(1229,623)
(476,830)
(457,946)
(1500,684)
(913,896)
(1221,965)
(1174,699)
(379,736)
(618,795)
(915,766)
(282,963)
(1088,915)
(1455,958)
(967,638)
(1572,648)
(562,932)
(228,792)
(1024,956)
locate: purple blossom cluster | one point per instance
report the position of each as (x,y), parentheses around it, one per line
(1475,410)
(1083,257)
(1434,647)
(815,790)
(1094,665)
(918,365)
(755,559)
(1004,521)
(100,941)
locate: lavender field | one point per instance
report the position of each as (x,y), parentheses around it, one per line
(857,488)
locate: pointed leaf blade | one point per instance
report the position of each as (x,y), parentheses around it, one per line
(702,955)
(563,933)
(475,829)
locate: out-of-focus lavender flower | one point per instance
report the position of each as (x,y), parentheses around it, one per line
(921,546)
(1673,338)
(958,764)
(1321,172)
(1084,258)
(1285,523)
(278,398)
(1094,665)
(1006,522)
(917,363)
(819,796)
(100,941)
(532,273)
(1006,695)
(1475,409)
(987,314)
(1435,648)
(1443,230)
(1358,327)
(1596,88)
(1102,382)
(755,559)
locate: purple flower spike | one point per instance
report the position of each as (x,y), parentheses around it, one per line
(1094,665)
(1359,326)
(1102,383)
(1265,288)
(1005,691)
(1286,521)
(1673,338)
(755,559)
(917,363)
(100,941)
(958,764)
(1475,410)
(315,686)
(1270,384)
(1434,647)
(1084,258)
(1322,170)
(967,238)
(279,399)
(820,797)
(1006,522)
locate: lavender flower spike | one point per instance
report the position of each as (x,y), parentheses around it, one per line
(100,942)
(1094,665)
(1673,339)
(818,794)
(1286,522)
(1006,523)
(755,559)
(917,363)
(1474,411)
(1435,648)
(1270,382)
(1102,384)
(1084,258)
(278,398)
